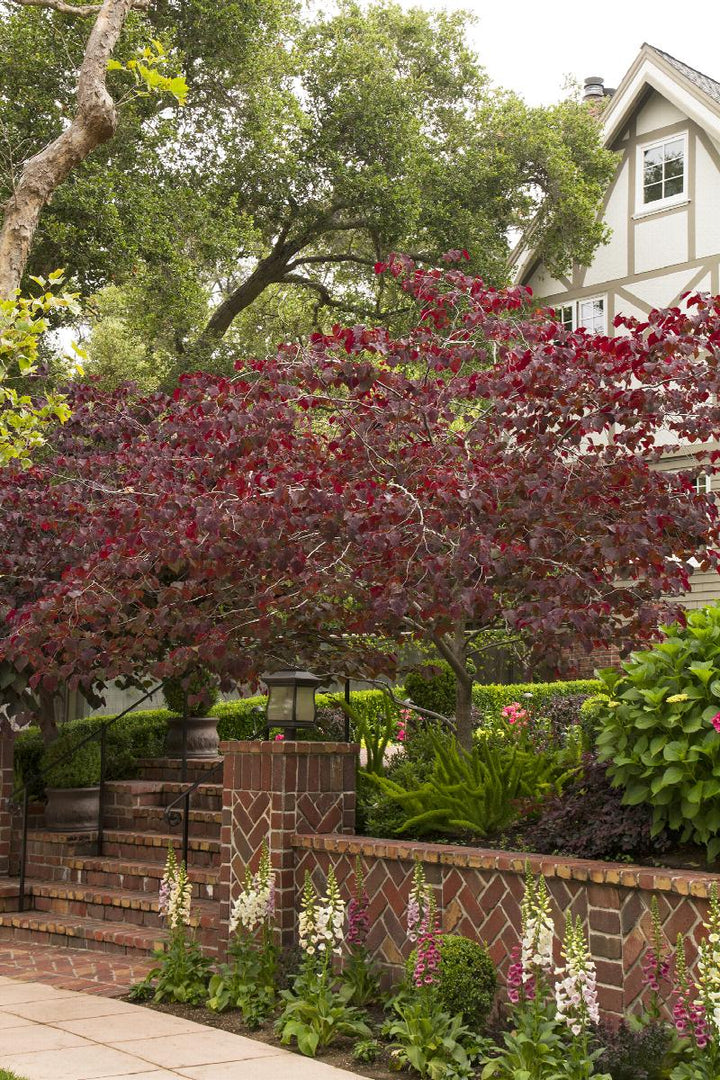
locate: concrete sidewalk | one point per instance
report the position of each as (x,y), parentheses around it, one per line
(52,1034)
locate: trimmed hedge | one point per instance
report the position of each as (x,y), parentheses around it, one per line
(537,696)
(239,719)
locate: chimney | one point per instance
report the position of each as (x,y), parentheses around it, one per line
(595,89)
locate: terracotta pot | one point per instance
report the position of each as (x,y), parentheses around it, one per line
(202,737)
(72,809)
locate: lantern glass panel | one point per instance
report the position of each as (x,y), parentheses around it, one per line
(280,705)
(305,705)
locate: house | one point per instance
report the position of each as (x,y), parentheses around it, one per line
(663,207)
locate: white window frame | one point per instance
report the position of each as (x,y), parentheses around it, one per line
(703,484)
(641,207)
(574,307)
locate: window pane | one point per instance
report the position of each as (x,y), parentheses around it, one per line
(674,167)
(653,156)
(653,174)
(674,149)
(653,192)
(674,186)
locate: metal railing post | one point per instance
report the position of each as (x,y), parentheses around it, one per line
(347,713)
(183,774)
(101,806)
(186,828)
(23,851)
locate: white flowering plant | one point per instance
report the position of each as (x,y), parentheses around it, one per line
(182,971)
(249,981)
(315,1014)
(553,1007)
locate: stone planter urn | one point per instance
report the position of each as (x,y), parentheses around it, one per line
(72,809)
(202,737)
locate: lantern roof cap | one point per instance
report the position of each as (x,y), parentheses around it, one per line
(288,676)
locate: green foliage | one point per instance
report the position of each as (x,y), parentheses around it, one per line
(378,813)
(477,791)
(366,1050)
(181,973)
(5,1075)
(199,689)
(383,135)
(657,729)
(315,1015)
(137,735)
(428,1040)
(433,688)
(374,732)
(66,763)
(467,980)
(24,420)
(248,982)
(491,698)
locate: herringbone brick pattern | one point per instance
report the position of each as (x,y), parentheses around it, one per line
(479,894)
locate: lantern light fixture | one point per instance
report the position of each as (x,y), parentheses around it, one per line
(291,699)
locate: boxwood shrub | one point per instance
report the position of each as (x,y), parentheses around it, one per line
(467,979)
(660,729)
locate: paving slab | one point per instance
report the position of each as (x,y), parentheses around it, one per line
(209,1046)
(52,1034)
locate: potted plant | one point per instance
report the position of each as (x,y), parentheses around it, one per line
(71,771)
(191,698)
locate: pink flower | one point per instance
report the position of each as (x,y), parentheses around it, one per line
(716,721)
(428,953)
(515,714)
(279,737)
(358,920)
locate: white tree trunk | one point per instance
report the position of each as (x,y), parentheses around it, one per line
(94,123)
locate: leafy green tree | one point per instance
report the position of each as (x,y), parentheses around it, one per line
(308,150)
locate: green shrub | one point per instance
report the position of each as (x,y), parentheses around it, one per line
(480,791)
(657,729)
(433,688)
(467,979)
(200,690)
(68,762)
(490,699)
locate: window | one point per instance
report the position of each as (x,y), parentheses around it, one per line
(663,173)
(591,315)
(703,484)
(587,313)
(564,315)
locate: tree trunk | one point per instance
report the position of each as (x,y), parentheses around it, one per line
(454,651)
(463,710)
(268,271)
(93,124)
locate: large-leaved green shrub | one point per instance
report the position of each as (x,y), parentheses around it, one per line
(657,729)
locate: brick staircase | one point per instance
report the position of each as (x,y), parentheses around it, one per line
(81,900)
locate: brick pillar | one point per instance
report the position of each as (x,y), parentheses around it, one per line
(6,790)
(272,790)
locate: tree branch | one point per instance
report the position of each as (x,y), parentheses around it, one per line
(93,124)
(82,10)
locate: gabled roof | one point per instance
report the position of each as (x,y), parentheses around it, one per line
(710,86)
(694,94)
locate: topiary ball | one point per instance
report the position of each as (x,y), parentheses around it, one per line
(467,978)
(201,691)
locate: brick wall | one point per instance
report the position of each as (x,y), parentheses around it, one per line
(479,893)
(6,789)
(273,791)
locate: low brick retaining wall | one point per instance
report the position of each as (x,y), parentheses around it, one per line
(300,798)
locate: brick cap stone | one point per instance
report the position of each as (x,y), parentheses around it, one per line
(651,879)
(288,746)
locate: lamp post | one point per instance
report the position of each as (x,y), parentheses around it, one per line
(291,700)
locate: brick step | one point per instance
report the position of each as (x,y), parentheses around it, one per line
(205,797)
(112,905)
(204,824)
(76,933)
(132,793)
(152,847)
(171,769)
(135,876)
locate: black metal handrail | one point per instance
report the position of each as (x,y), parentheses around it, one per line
(20,796)
(174,816)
